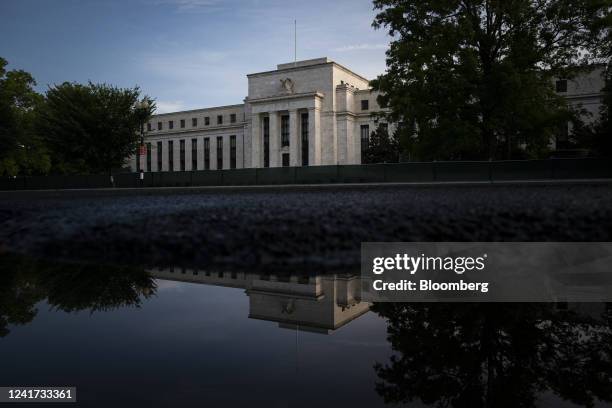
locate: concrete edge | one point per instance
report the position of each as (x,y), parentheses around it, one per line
(598,181)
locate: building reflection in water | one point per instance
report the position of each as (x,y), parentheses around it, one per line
(441,354)
(316,303)
(448,354)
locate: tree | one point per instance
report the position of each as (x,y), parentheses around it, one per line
(21,150)
(595,137)
(475,76)
(382,148)
(494,355)
(600,141)
(69,287)
(91,128)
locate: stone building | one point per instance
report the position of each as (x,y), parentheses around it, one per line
(312,112)
(584,93)
(315,303)
(305,113)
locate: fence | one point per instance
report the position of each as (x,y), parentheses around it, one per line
(549,169)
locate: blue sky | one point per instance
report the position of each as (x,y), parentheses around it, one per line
(187,54)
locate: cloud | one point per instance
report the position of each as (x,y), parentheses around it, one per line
(183,6)
(360,47)
(191,78)
(183,61)
(169,106)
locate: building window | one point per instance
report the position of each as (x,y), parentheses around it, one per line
(266,141)
(285,130)
(285,159)
(182,123)
(182,154)
(219,152)
(233,118)
(159,156)
(561,85)
(194,154)
(194,122)
(148,157)
(304,139)
(365,139)
(563,136)
(170,124)
(159,126)
(206,154)
(365,104)
(232,151)
(219,119)
(207,120)
(149,127)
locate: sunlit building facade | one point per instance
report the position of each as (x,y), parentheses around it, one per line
(305,113)
(312,112)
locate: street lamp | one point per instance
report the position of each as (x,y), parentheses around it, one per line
(142,107)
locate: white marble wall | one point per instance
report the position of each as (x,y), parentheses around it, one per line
(329,92)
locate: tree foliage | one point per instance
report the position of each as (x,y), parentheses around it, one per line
(91,128)
(597,137)
(603,140)
(68,287)
(494,355)
(21,150)
(382,147)
(474,77)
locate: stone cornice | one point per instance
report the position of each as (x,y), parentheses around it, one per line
(268,99)
(195,111)
(584,95)
(298,68)
(174,132)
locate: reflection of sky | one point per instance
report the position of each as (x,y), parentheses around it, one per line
(195,343)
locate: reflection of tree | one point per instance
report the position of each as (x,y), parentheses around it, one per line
(66,286)
(501,355)
(17,296)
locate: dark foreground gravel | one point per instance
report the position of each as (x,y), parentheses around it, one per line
(310,228)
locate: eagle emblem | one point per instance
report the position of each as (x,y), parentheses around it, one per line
(287,85)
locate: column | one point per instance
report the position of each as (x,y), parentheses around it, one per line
(274,140)
(314,136)
(165,155)
(213,152)
(200,152)
(240,151)
(153,155)
(177,154)
(188,166)
(226,151)
(256,143)
(294,138)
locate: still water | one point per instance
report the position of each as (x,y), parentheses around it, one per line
(186,337)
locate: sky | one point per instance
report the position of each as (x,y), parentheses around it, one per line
(186,54)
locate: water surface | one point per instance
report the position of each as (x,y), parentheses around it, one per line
(188,337)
